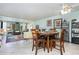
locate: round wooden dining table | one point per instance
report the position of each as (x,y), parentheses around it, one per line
(48,33)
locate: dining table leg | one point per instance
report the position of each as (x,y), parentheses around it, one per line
(48,44)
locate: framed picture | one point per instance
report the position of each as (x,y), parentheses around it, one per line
(58,23)
(49,22)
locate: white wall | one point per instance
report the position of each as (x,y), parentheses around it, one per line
(43,22)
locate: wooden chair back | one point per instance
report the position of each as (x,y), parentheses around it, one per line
(34,34)
(62,41)
(62,36)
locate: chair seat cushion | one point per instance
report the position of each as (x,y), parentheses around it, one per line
(43,37)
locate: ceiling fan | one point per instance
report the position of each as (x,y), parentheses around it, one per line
(66,8)
(69,7)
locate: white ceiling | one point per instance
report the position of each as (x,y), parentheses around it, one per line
(32,11)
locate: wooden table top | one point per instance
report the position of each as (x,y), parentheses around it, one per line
(49,33)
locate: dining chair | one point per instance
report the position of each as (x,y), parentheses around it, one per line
(34,37)
(52,38)
(61,42)
(37,41)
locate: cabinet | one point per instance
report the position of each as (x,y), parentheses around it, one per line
(75,32)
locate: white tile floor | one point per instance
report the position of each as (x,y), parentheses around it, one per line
(25,48)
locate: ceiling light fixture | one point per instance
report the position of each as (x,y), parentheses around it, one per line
(66,9)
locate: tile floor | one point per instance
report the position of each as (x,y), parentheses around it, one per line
(24,47)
